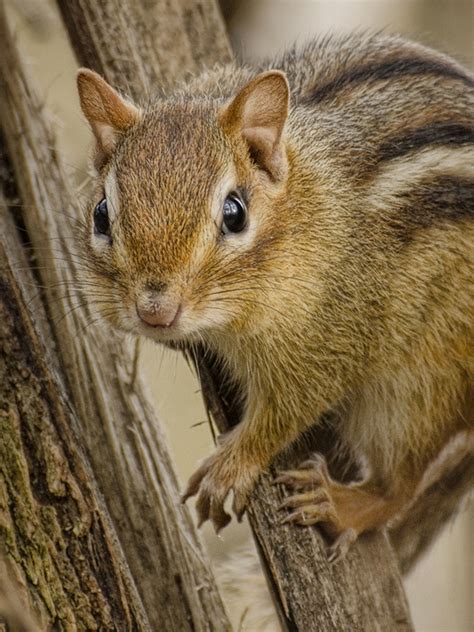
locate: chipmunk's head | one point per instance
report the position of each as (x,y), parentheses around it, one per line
(182,225)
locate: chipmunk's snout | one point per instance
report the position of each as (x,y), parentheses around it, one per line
(156,309)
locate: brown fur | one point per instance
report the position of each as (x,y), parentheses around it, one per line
(352,287)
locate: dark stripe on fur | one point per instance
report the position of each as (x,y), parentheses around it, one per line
(444,199)
(441,133)
(387,70)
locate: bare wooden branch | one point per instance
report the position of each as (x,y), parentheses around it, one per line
(116,422)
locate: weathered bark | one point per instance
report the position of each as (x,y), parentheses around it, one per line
(115,424)
(54,527)
(364,592)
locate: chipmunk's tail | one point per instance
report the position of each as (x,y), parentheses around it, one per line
(446,484)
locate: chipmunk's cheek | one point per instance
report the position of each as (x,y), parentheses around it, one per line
(212,317)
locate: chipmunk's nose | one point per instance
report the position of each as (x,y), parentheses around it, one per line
(157,310)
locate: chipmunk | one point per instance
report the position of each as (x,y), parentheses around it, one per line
(311,222)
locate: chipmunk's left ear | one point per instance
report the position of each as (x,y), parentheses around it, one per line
(108,113)
(259,113)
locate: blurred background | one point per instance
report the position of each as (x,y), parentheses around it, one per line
(440,589)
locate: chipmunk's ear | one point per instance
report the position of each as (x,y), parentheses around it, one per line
(259,112)
(108,114)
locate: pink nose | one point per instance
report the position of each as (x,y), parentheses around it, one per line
(157,314)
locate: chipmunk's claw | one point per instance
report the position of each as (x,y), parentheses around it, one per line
(301,478)
(219,517)
(212,482)
(194,483)
(338,550)
(298,500)
(314,503)
(307,515)
(239,505)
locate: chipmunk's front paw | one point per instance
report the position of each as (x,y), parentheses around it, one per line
(313,504)
(218,475)
(316,503)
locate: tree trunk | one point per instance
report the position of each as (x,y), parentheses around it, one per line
(54,526)
(73,387)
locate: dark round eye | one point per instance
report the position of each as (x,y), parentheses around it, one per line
(234,216)
(101,218)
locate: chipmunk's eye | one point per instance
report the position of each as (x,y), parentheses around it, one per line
(234,216)
(101,218)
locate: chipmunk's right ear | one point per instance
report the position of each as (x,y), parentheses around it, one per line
(108,113)
(258,113)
